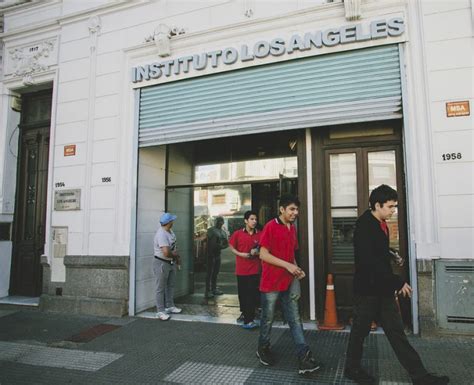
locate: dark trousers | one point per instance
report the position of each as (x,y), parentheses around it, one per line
(385,310)
(213,267)
(249,294)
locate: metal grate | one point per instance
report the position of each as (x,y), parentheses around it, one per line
(459,269)
(462,320)
(455,294)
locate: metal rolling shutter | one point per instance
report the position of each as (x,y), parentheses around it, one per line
(354,86)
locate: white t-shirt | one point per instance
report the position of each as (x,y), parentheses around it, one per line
(164,238)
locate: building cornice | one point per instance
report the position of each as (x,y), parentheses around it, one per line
(63,20)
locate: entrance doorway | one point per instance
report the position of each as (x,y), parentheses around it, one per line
(31,190)
(200,181)
(355,163)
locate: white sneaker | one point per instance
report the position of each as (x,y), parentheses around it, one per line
(161,315)
(173,310)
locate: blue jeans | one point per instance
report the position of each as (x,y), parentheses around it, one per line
(289,304)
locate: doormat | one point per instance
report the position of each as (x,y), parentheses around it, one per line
(92,333)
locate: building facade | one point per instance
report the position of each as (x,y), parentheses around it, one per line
(113,112)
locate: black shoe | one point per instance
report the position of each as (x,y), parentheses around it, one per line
(265,356)
(308,364)
(431,379)
(359,376)
(240,320)
(217,292)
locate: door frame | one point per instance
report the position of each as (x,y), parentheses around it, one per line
(322,143)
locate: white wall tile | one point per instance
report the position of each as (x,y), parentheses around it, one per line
(110,42)
(448,25)
(73,70)
(110,62)
(106,128)
(74,243)
(456,211)
(437,6)
(101,244)
(103,197)
(73,90)
(72,111)
(73,220)
(102,220)
(106,106)
(70,133)
(104,151)
(455,84)
(457,243)
(442,55)
(108,84)
(76,49)
(74,31)
(455,178)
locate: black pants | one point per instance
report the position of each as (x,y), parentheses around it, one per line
(249,294)
(213,267)
(385,310)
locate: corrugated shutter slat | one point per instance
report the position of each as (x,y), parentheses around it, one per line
(354,86)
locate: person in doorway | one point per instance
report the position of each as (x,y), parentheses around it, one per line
(281,280)
(217,240)
(245,245)
(375,287)
(164,267)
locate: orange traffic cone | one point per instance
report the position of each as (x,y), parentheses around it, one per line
(330,314)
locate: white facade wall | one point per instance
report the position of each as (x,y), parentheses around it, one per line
(94,105)
(448,33)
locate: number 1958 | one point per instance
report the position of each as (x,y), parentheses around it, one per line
(452,156)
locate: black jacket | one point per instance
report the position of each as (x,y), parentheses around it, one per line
(373,271)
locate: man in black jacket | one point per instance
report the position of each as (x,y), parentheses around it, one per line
(375,287)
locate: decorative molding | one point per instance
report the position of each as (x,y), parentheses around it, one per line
(162,36)
(353,9)
(94,24)
(29,60)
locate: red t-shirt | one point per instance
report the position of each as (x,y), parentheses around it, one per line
(281,242)
(242,241)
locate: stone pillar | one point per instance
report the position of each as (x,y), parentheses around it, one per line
(95,285)
(426,296)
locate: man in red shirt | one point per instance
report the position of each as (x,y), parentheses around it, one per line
(244,244)
(280,280)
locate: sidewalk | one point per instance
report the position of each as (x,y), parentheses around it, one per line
(46,348)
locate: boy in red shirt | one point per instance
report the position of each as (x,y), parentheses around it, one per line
(244,244)
(280,280)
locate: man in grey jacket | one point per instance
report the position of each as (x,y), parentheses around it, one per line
(216,241)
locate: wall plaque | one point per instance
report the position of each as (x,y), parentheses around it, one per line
(70,150)
(458,109)
(65,200)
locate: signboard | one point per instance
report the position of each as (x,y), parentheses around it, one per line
(330,37)
(458,109)
(66,200)
(70,150)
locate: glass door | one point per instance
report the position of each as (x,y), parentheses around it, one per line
(352,174)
